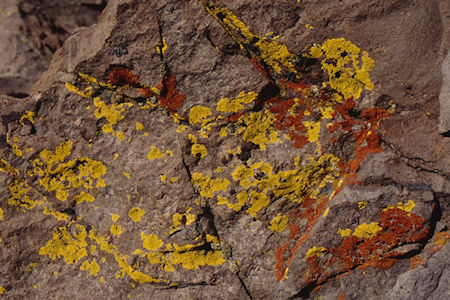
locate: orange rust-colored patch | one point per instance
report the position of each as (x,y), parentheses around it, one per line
(280,266)
(258,64)
(169,96)
(398,227)
(147,92)
(121,76)
(234,117)
(416,261)
(341,296)
(383,263)
(312,217)
(438,241)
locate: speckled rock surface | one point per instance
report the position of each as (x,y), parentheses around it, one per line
(232,150)
(31,32)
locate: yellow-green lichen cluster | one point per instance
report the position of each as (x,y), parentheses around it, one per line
(348,71)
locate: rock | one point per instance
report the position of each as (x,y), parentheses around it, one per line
(230,150)
(31,32)
(444,96)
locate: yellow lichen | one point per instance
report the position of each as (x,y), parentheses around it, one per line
(20,195)
(195,258)
(115,217)
(155,153)
(92,267)
(120,135)
(17,151)
(71,246)
(406,207)
(161,47)
(198,113)
(258,202)
(139,126)
(61,178)
(28,115)
(274,54)
(136,214)
(362,204)
(163,177)
(326,212)
(312,130)
(181,128)
(82,197)
(344,232)
(209,186)
(237,104)
(58,215)
(279,223)
(257,126)
(5,167)
(115,229)
(315,251)
(151,241)
(327,112)
(197,148)
(366,231)
(121,259)
(348,71)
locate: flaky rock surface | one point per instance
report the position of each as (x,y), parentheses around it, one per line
(233,150)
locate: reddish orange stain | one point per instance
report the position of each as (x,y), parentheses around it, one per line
(122,76)
(169,96)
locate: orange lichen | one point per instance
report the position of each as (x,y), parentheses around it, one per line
(121,76)
(169,97)
(397,227)
(416,261)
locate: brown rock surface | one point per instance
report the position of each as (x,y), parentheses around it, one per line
(31,31)
(180,149)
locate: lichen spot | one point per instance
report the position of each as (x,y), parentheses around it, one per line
(151,241)
(139,126)
(120,135)
(136,214)
(163,177)
(83,197)
(237,104)
(115,229)
(115,217)
(315,251)
(279,223)
(366,231)
(92,267)
(312,130)
(344,232)
(362,204)
(198,113)
(155,153)
(326,212)
(348,71)
(403,206)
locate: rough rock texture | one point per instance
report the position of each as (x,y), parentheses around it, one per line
(31,31)
(233,150)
